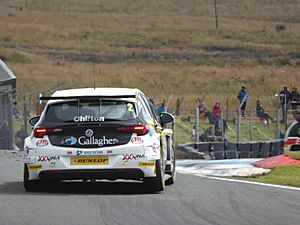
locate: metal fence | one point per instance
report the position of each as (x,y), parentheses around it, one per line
(6,123)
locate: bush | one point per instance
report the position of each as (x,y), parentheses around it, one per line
(280,27)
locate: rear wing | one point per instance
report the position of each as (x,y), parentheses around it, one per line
(46,98)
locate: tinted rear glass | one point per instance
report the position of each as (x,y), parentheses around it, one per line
(295,130)
(91,111)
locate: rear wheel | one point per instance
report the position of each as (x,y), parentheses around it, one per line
(154,184)
(30,185)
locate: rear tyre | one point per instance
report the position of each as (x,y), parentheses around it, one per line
(154,184)
(30,185)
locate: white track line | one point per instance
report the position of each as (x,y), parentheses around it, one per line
(249,182)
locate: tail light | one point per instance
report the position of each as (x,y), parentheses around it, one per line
(291,141)
(40,132)
(138,129)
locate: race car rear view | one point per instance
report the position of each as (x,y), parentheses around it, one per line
(101,133)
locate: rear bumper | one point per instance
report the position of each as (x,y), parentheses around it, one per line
(79,174)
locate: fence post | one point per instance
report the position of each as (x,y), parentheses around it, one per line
(227,109)
(197,124)
(278,124)
(250,126)
(238,132)
(25,115)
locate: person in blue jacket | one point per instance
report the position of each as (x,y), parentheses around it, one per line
(243,95)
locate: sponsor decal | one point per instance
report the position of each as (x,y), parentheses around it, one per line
(88,119)
(70,140)
(69,152)
(155,147)
(42,143)
(89,133)
(137,140)
(89,161)
(109,152)
(89,139)
(52,164)
(89,153)
(125,163)
(44,158)
(146,163)
(133,156)
(35,167)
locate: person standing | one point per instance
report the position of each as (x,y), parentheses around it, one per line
(243,98)
(216,113)
(161,108)
(295,97)
(284,97)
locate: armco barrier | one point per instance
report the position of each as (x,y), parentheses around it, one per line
(231,150)
(217,150)
(228,150)
(255,149)
(265,148)
(244,150)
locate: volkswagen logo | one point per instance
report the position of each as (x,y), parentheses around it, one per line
(89,133)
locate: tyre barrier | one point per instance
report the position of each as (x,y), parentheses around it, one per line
(230,150)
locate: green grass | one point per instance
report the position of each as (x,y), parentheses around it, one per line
(283,175)
(294,155)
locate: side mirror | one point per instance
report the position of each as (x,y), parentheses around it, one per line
(34,120)
(166,118)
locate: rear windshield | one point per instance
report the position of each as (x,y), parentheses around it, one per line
(295,130)
(91,111)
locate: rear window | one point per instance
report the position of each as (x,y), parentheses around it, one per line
(91,111)
(295,131)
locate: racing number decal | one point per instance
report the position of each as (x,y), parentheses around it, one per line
(130,107)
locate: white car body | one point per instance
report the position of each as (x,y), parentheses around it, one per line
(56,157)
(292,137)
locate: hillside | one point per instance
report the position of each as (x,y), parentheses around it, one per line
(167,48)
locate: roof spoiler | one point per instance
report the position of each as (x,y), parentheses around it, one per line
(45,98)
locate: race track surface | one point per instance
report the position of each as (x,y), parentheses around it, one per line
(192,200)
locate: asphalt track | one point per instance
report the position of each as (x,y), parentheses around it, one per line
(192,200)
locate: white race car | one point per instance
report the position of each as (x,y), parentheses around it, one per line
(101,133)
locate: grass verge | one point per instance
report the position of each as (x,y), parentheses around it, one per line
(294,155)
(283,175)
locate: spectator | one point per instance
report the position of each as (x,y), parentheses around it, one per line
(218,134)
(209,134)
(216,111)
(15,109)
(243,98)
(216,114)
(284,97)
(261,113)
(201,106)
(161,108)
(20,137)
(295,97)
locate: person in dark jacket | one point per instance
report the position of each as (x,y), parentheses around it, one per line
(261,113)
(295,98)
(243,98)
(284,97)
